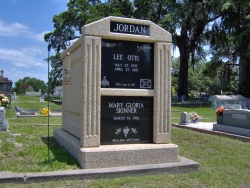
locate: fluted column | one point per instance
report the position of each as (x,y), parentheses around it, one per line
(90,114)
(162,93)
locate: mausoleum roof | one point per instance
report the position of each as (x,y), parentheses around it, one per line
(4,79)
(101,28)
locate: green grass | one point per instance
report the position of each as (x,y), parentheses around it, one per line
(224,162)
(207,114)
(33,102)
(25,147)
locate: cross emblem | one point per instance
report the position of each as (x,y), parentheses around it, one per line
(1,73)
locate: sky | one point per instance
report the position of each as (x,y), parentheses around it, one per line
(23,24)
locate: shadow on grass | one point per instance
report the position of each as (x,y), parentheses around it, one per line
(59,153)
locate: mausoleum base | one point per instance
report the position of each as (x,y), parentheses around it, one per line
(117,155)
(231,129)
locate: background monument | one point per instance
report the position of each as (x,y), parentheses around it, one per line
(5,86)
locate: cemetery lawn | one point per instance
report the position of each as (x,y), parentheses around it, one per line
(224,162)
(207,114)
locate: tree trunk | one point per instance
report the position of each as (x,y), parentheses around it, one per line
(183,72)
(242,71)
(244,77)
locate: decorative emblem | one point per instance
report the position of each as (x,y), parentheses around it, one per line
(125,131)
(105,82)
(118,131)
(145,83)
(134,130)
(109,45)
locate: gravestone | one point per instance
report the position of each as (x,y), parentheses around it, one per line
(184,118)
(24,112)
(14,96)
(41,99)
(3,121)
(5,86)
(116,105)
(235,121)
(235,101)
(17,99)
(18,108)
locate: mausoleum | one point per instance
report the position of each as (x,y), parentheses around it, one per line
(5,86)
(116,95)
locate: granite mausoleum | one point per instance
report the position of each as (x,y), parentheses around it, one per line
(116,95)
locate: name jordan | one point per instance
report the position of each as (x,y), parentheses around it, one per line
(127,28)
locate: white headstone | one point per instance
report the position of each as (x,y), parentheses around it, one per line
(16,99)
(184,118)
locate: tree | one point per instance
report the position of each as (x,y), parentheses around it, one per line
(70,22)
(123,8)
(236,22)
(55,75)
(27,84)
(175,74)
(188,21)
(191,23)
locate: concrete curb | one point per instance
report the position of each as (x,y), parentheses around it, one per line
(53,114)
(183,166)
(241,138)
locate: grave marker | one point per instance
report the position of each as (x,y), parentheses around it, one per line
(236,121)
(184,118)
(3,121)
(116,109)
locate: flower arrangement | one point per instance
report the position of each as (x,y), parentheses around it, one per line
(219,111)
(194,117)
(45,111)
(4,101)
